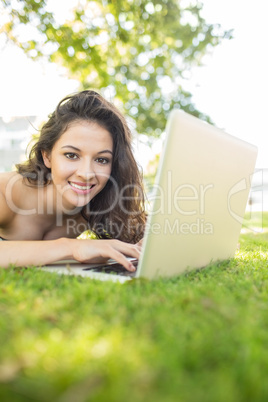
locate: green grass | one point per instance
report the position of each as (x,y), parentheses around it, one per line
(198,337)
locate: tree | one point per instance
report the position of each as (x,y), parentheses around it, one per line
(137,51)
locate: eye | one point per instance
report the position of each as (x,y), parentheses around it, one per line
(103,161)
(71,155)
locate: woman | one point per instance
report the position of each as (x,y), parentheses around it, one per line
(80,175)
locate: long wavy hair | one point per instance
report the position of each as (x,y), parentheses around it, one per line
(118,210)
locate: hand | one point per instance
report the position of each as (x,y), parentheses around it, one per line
(92,251)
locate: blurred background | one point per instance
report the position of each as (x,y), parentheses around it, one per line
(207,58)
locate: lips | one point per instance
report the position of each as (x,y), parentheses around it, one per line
(81,188)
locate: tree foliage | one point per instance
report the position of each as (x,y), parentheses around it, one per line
(136,51)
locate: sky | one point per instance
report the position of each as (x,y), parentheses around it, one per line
(231,87)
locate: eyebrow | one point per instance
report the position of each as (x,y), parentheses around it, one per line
(105,151)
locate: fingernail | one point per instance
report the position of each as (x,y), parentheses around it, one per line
(131,267)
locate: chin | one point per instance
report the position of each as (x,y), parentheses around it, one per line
(75,202)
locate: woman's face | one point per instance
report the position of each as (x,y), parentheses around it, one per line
(80,163)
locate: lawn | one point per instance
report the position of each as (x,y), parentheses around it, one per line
(202,336)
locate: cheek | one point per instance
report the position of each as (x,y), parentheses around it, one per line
(61,170)
(104,174)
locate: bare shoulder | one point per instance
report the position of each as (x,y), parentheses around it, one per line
(6,180)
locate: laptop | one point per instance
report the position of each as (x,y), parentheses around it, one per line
(197,204)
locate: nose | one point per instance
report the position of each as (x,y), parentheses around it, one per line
(90,175)
(86,170)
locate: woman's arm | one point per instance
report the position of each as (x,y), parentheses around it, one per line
(26,253)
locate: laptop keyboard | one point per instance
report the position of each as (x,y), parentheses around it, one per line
(114,269)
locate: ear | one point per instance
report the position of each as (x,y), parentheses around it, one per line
(46,159)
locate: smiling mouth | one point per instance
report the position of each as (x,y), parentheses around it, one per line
(81,187)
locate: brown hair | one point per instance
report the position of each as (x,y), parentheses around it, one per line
(118,210)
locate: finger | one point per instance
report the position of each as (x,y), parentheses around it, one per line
(121,259)
(131,250)
(139,243)
(139,246)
